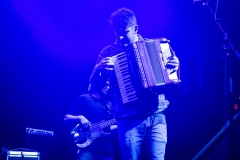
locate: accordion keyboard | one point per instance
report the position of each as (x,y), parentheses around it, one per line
(121,67)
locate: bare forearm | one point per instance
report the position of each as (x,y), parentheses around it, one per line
(71,118)
(76,119)
(95,75)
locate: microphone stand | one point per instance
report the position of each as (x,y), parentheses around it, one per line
(228,49)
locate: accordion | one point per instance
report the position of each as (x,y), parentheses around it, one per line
(142,67)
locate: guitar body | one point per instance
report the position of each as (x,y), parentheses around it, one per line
(83,137)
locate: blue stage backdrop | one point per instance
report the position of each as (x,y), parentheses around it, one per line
(49,48)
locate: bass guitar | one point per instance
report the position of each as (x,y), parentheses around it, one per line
(83,137)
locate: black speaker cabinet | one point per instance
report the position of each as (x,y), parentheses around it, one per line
(22,155)
(40,141)
(36,140)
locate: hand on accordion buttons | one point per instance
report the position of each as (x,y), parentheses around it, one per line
(172,63)
(106,63)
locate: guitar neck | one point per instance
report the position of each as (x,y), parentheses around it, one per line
(107,123)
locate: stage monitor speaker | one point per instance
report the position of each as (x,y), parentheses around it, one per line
(40,141)
(22,155)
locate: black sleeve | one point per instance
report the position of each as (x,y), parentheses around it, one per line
(76,108)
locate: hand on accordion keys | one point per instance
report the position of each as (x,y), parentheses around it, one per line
(172,63)
(106,63)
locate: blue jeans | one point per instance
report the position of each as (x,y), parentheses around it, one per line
(143,138)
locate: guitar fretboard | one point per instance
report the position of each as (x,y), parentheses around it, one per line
(107,123)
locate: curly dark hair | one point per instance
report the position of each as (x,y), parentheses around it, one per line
(121,18)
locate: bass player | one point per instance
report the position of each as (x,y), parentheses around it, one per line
(87,110)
